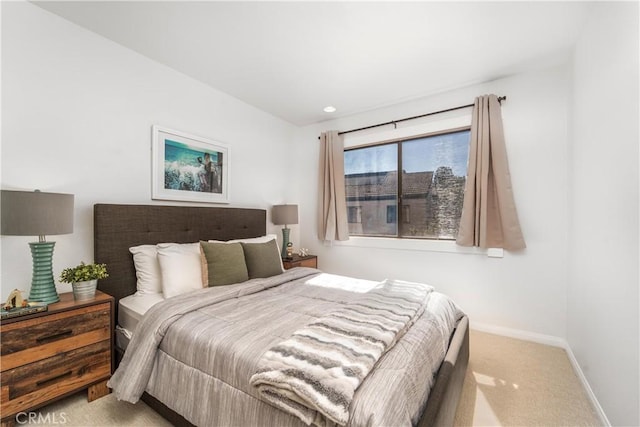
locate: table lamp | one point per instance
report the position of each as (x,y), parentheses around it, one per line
(284,215)
(34,213)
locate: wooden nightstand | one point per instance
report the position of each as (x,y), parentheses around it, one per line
(49,355)
(300,261)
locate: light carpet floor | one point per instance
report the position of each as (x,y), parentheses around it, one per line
(512,382)
(509,383)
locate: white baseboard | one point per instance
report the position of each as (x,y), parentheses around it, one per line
(578,370)
(552,341)
(519,334)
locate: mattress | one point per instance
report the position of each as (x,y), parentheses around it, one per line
(130,311)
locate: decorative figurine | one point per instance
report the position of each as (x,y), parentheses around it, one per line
(18,306)
(15,300)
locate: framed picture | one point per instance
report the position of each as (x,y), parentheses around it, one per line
(188,168)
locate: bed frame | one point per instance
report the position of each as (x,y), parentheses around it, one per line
(119,227)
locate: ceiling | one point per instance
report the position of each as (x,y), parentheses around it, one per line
(291,59)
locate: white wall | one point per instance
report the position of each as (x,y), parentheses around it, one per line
(77,114)
(525,290)
(603,278)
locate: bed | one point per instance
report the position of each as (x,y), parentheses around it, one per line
(119,227)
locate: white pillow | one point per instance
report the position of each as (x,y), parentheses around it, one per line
(180,267)
(145,260)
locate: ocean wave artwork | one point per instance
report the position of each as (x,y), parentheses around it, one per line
(187,169)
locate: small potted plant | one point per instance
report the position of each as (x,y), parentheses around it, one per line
(84,279)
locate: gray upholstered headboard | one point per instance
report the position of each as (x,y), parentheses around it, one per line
(116,228)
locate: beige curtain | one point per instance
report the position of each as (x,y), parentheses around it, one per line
(332,205)
(489,218)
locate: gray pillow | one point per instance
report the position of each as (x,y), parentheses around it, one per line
(262,259)
(225,263)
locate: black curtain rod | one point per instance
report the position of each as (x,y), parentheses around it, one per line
(393,122)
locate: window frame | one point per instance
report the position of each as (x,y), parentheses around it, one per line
(399,206)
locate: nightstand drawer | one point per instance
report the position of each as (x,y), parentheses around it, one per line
(311,262)
(39,338)
(43,380)
(299,261)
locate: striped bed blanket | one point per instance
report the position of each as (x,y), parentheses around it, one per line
(314,373)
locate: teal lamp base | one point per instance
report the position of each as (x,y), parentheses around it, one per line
(43,288)
(285,241)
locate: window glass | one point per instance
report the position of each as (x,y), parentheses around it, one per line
(431,184)
(371,184)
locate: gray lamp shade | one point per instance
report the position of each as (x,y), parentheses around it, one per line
(34,213)
(284,214)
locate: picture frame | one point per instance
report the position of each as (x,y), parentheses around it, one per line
(188,167)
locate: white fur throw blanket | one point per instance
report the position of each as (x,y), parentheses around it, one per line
(315,373)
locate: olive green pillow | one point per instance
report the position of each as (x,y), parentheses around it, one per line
(262,259)
(225,263)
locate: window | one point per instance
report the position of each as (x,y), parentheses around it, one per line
(353,214)
(423,201)
(391,214)
(406,213)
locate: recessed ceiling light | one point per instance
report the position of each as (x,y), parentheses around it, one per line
(329,109)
